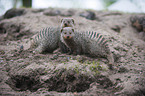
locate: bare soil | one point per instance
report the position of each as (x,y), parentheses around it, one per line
(23,72)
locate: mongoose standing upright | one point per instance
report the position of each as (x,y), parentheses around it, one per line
(48,39)
(67,38)
(89,43)
(66,22)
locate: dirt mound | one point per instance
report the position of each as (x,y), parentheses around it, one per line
(26,73)
(61,77)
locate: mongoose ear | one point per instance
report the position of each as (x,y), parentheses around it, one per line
(73,21)
(73,30)
(61,20)
(61,30)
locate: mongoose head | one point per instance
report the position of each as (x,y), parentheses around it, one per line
(67,22)
(67,33)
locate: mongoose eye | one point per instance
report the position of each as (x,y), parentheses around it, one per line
(65,33)
(70,33)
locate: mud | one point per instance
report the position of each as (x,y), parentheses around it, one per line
(23,72)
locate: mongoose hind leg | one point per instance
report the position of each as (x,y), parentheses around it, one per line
(39,49)
(42,49)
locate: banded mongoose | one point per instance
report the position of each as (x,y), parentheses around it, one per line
(66,22)
(67,38)
(89,43)
(48,39)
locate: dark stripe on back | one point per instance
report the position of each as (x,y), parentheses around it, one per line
(98,35)
(94,34)
(91,34)
(101,41)
(41,34)
(46,32)
(98,38)
(38,36)
(35,40)
(105,43)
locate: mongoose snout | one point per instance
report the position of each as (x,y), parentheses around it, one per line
(67,37)
(65,25)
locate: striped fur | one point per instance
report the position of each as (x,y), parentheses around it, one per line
(91,43)
(99,46)
(66,22)
(46,40)
(94,37)
(100,40)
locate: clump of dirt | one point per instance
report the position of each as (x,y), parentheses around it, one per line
(67,76)
(26,73)
(138,22)
(13,13)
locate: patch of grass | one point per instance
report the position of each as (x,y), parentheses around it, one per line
(76,69)
(95,67)
(64,61)
(88,62)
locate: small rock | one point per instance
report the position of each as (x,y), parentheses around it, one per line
(142,35)
(52,12)
(129,76)
(138,22)
(88,15)
(116,28)
(80,59)
(67,13)
(119,85)
(44,78)
(37,10)
(13,13)
(20,48)
(54,57)
(2,52)
(122,70)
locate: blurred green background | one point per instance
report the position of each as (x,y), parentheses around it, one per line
(137,6)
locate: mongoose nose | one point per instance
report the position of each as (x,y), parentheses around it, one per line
(65,24)
(67,37)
